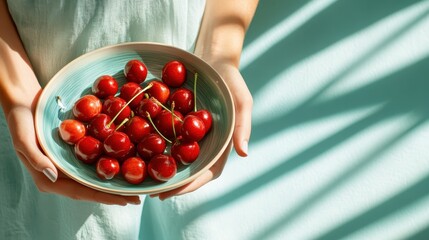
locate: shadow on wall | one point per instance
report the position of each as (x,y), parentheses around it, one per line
(405,198)
(338,21)
(397,105)
(333,24)
(402,92)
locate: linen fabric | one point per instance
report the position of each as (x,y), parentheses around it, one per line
(54,33)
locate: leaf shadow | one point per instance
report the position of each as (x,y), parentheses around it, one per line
(340,20)
(390,206)
(351,172)
(390,90)
(311,109)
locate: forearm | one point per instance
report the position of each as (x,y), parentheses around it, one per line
(223,29)
(18,84)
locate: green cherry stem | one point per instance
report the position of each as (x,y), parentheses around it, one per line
(134,97)
(156,129)
(166,108)
(172,120)
(122,123)
(195,91)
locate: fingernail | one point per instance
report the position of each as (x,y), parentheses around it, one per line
(245,147)
(162,197)
(50,174)
(136,202)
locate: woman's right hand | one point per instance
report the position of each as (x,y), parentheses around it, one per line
(19,91)
(46,177)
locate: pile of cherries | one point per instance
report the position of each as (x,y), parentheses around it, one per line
(126,129)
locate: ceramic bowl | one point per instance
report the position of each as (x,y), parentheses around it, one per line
(76,79)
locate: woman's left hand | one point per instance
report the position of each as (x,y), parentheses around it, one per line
(220,43)
(243,110)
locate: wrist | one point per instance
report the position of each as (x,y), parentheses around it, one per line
(22,96)
(223,43)
(223,29)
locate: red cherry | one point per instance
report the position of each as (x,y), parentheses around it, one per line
(135,71)
(137,128)
(134,170)
(113,105)
(164,123)
(151,145)
(131,153)
(117,145)
(100,128)
(87,107)
(205,116)
(183,99)
(128,91)
(185,152)
(148,105)
(88,149)
(71,131)
(162,167)
(193,128)
(107,168)
(160,91)
(174,74)
(105,86)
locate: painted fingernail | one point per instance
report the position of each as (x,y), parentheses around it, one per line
(245,147)
(49,173)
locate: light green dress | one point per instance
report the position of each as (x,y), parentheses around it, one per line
(54,33)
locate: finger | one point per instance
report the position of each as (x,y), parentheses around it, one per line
(206,177)
(243,125)
(74,190)
(40,162)
(243,108)
(190,187)
(25,143)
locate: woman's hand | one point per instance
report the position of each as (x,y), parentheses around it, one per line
(219,43)
(19,91)
(243,110)
(45,175)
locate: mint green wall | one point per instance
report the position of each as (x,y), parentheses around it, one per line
(340,137)
(352,76)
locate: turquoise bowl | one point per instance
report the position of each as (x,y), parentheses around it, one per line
(76,79)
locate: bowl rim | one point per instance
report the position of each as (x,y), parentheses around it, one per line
(137,46)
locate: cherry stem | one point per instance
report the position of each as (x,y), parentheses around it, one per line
(134,97)
(166,108)
(195,91)
(60,103)
(156,129)
(122,123)
(172,119)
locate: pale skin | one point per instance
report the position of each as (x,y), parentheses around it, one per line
(219,43)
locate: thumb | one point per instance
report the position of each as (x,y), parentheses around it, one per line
(21,126)
(243,126)
(39,161)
